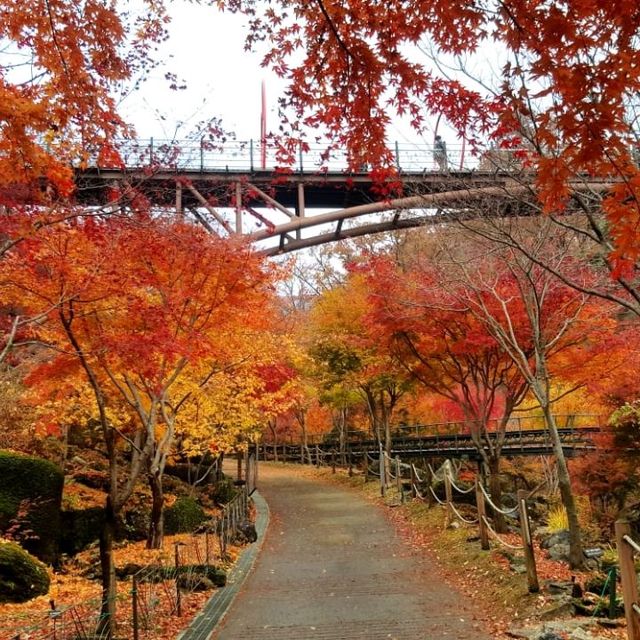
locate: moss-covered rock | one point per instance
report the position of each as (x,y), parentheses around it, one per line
(30,500)
(22,577)
(183,516)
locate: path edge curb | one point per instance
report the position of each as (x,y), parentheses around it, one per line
(216,608)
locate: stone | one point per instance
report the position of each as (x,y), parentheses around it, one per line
(528,634)
(549,635)
(548,540)
(247,530)
(559,552)
(558,586)
(610,624)
(562,606)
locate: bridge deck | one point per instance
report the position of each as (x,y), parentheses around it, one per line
(531,442)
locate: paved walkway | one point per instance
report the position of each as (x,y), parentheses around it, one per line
(332,568)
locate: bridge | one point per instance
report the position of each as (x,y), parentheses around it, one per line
(312,200)
(449,440)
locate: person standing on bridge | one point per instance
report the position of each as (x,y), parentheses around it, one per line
(440,153)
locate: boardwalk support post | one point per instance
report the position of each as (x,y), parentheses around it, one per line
(527,542)
(482,514)
(628,578)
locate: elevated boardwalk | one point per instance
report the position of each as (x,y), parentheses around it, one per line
(451,440)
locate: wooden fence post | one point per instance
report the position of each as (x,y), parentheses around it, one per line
(134,607)
(239,461)
(527,542)
(381,469)
(448,497)
(366,467)
(482,514)
(333,462)
(178,592)
(628,579)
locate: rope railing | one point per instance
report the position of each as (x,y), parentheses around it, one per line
(497,537)
(460,516)
(417,492)
(433,493)
(493,505)
(456,487)
(417,475)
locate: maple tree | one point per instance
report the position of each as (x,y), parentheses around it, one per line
(449,352)
(135,304)
(534,316)
(564,87)
(349,354)
(61,67)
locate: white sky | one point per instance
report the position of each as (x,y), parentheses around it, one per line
(205,48)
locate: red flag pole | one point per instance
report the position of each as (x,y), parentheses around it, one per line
(263,128)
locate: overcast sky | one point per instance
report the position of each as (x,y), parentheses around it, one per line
(206,49)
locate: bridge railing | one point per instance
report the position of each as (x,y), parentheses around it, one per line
(248,155)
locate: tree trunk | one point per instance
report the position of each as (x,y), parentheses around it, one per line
(495,489)
(107,623)
(576,559)
(156,526)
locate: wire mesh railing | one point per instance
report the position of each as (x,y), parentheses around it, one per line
(151,598)
(255,155)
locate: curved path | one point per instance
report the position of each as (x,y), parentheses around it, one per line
(333,568)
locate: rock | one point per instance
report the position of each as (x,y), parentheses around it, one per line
(610,624)
(529,633)
(562,606)
(247,530)
(520,569)
(581,634)
(548,540)
(549,635)
(558,587)
(559,552)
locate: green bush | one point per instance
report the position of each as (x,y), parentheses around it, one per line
(30,500)
(224,491)
(22,576)
(80,527)
(183,516)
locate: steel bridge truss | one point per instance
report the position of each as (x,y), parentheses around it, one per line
(283,210)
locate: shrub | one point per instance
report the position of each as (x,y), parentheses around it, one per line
(22,576)
(558,520)
(223,491)
(30,499)
(80,527)
(183,516)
